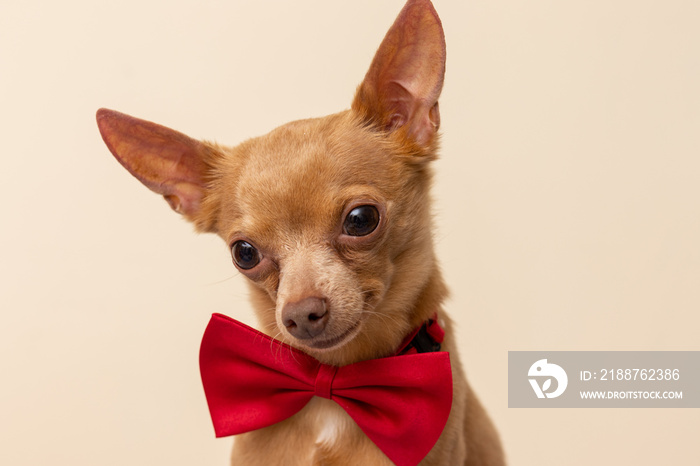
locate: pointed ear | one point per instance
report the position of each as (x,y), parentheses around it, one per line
(166,161)
(402,86)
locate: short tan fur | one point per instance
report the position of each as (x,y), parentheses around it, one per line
(330,221)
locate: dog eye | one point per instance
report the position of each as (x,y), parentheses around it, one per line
(361,221)
(245,255)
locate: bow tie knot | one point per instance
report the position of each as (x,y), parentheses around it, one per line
(324,380)
(252,381)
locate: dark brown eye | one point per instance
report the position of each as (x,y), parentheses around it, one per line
(245,255)
(361,221)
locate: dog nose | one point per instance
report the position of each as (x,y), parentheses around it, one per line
(305,319)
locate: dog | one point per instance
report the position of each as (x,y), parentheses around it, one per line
(329,219)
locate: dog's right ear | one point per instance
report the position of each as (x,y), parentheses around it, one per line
(166,161)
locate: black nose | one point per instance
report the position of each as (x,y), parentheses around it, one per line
(305,319)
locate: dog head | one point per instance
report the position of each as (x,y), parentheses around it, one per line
(328,218)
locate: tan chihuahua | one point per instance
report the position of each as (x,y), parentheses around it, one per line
(330,221)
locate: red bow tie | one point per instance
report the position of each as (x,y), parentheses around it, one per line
(252,381)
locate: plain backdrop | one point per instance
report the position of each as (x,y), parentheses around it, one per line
(567,203)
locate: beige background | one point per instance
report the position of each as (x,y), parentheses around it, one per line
(568,205)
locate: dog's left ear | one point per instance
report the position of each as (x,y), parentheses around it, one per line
(402,86)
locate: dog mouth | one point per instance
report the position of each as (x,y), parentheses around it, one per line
(335,341)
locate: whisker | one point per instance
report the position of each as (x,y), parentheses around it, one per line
(223,280)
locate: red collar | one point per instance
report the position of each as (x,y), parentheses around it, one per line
(425,339)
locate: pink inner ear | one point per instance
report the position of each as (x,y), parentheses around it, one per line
(166,161)
(405,79)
